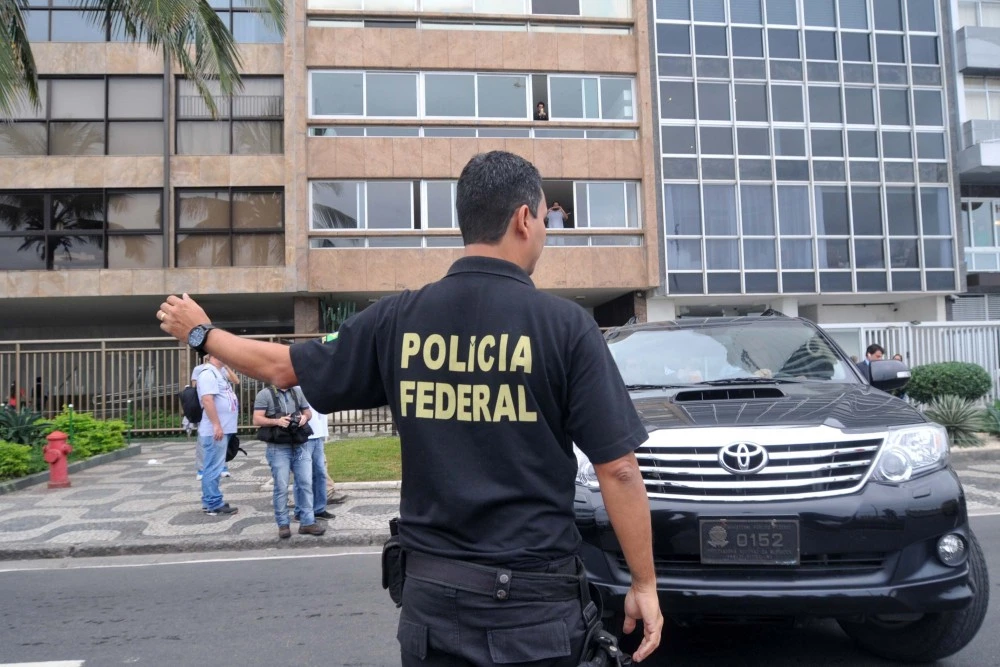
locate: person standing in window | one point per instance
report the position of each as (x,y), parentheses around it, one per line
(540,112)
(557,217)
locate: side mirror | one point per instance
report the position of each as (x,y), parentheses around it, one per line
(889,374)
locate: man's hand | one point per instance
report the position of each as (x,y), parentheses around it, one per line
(283,422)
(302,420)
(643,605)
(178,315)
(217,432)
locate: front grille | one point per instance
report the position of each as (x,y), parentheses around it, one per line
(796,470)
(817,566)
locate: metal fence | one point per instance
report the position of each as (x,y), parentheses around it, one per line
(927,342)
(136,379)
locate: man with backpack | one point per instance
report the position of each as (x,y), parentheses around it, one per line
(218,423)
(191,407)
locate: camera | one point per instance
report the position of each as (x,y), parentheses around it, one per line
(293,423)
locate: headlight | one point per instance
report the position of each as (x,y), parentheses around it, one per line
(908,452)
(585,473)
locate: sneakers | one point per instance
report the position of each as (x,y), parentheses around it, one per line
(335,497)
(312,529)
(200,475)
(225,510)
(225,472)
(284,532)
(325,515)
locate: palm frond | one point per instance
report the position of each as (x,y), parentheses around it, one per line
(18,75)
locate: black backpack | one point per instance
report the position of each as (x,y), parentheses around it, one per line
(233,447)
(190,405)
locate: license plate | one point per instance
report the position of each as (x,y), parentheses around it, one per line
(750,541)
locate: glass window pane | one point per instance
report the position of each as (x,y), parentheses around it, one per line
(74,26)
(23,139)
(135,98)
(261,97)
(896,145)
(77,212)
(853,14)
(889,48)
(751,102)
(930,146)
(337,205)
(135,252)
(392,95)
(820,13)
(927,107)
(903,254)
(77,98)
(920,15)
(862,143)
(135,138)
(450,95)
(567,99)
(789,142)
(560,7)
(259,250)
(938,254)
(440,205)
(716,140)
(923,50)
(745,11)
(759,254)
(258,210)
(76,138)
(337,94)
(757,209)
(504,97)
(251,137)
(888,15)
(676,99)
(134,211)
(713,101)
(935,211)
(748,42)
(827,143)
(860,103)
(831,210)
(77,252)
(719,204)
(682,204)
(673,9)
(23,109)
(783,43)
(616,99)
(390,204)
(710,10)
(677,139)
(976,106)
(252,27)
(190,103)
(869,254)
(826,170)
(607,205)
(824,104)
(901,210)
(722,254)
(710,40)
(684,255)
(673,39)
(202,137)
(36,25)
(821,45)
(203,209)
(796,253)
(781,12)
(894,106)
(753,141)
(834,254)
(718,170)
(866,209)
(203,250)
(786,103)
(855,47)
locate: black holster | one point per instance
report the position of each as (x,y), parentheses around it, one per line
(600,648)
(393,564)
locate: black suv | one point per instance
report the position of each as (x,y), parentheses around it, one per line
(784,486)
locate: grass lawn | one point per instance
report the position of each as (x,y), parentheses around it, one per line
(364,460)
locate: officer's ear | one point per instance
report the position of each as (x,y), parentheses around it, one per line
(520,222)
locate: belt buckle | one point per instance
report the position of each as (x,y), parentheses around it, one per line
(501,585)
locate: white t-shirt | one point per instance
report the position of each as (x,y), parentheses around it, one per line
(320,424)
(212,381)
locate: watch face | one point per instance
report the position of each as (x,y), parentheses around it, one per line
(197,336)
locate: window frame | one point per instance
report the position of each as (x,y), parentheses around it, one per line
(230,231)
(229,103)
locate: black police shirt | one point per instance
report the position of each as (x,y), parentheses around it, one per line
(490,382)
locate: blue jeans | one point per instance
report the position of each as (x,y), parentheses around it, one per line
(213,454)
(318,455)
(283,458)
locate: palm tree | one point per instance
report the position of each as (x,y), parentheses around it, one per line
(187,31)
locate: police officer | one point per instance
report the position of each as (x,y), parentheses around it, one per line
(490,382)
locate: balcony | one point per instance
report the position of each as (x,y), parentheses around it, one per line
(979,162)
(978,50)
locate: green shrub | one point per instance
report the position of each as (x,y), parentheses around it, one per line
(991,419)
(952,378)
(90,436)
(19,460)
(961,417)
(22,427)
(155,420)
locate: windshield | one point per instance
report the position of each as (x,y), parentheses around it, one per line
(762,349)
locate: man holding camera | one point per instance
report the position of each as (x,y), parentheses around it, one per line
(282,415)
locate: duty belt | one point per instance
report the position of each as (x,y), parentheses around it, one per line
(495,582)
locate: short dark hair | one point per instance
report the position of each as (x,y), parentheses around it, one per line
(492,186)
(873,348)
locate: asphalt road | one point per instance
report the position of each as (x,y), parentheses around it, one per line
(325,607)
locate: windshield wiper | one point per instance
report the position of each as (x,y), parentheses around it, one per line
(638,387)
(748,380)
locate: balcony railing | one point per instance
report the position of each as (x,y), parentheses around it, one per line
(980,132)
(982,259)
(240,106)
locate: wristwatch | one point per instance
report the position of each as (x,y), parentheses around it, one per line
(198,337)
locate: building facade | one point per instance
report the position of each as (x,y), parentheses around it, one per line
(714,156)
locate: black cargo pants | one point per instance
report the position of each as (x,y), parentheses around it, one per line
(455,618)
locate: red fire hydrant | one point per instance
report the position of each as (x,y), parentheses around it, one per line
(55,455)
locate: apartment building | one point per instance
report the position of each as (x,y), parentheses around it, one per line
(331,176)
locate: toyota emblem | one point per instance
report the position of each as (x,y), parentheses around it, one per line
(743,458)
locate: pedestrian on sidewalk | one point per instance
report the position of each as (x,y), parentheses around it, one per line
(221,413)
(233,380)
(321,481)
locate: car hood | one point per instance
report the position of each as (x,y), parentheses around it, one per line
(843,406)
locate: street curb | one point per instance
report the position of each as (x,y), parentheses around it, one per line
(975,454)
(77,466)
(362,486)
(346,538)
